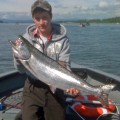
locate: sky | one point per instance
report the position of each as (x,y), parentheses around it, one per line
(63,9)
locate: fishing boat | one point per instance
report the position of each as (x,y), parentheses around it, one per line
(82,25)
(13,81)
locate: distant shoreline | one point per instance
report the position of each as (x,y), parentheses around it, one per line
(108,20)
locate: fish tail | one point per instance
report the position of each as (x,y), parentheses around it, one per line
(103,97)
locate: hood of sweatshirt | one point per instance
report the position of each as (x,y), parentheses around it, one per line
(59,31)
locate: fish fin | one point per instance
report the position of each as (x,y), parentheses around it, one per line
(103,98)
(53,89)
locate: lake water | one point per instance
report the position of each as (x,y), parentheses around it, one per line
(96,46)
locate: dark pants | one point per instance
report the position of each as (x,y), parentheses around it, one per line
(40,103)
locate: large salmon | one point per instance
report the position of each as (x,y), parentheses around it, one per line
(50,72)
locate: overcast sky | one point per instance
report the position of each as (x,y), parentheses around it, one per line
(82,9)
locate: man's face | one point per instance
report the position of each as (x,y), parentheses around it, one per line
(42,20)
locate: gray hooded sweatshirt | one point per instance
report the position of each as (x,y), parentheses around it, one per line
(57,47)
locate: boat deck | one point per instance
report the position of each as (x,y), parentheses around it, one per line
(11,113)
(14,81)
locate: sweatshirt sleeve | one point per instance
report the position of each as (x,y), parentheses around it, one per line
(65,53)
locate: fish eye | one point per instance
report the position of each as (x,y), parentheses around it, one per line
(21,43)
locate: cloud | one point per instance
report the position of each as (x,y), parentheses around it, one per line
(72,8)
(15,5)
(87,8)
(66,8)
(14,15)
(103,4)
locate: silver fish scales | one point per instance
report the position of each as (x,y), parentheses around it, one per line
(52,73)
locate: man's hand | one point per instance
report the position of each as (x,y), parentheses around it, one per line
(72,91)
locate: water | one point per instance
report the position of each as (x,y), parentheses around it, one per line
(96,46)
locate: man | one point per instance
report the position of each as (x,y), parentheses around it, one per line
(51,39)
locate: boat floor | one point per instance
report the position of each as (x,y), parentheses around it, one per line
(11,113)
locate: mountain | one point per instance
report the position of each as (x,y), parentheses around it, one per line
(15,21)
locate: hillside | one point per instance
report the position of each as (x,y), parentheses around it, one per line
(108,20)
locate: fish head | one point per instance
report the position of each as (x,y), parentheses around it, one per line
(20,49)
